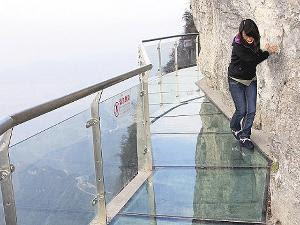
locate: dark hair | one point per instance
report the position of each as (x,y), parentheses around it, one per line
(250,29)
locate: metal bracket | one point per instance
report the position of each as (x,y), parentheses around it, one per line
(145,150)
(92,122)
(5,173)
(97,199)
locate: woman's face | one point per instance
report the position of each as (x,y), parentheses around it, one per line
(247,38)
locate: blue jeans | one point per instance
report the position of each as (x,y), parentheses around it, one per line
(244,98)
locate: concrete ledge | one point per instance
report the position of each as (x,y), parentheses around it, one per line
(260,138)
(117,203)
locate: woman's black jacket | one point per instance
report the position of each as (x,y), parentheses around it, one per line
(244,60)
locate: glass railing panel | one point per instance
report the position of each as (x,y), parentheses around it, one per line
(204,150)
(119,119)
(186,76)
(186,52)
(216,194)
(152,53)
(54,181)
(167,51)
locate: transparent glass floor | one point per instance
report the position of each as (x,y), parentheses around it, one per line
(201,174)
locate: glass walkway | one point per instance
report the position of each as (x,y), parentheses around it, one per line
(201,175)
(158,153)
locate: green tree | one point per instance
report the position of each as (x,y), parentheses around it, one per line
(186,55)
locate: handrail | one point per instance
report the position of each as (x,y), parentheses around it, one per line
(179,35)
(18,118)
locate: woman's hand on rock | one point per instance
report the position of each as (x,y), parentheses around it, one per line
(271,48)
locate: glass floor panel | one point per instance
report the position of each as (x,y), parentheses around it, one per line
(204,150)
(216,123)
(196,107)
(167,87)
(201,175)
(146,220)
(214,194)
(157,109)
(173,96)
(190,73)
(180,79)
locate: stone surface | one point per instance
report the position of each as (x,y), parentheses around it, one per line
(278,111)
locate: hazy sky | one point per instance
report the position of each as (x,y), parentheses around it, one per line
(50,48)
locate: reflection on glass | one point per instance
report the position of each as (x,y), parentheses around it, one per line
(218,194)
(211,150)
(167,50)
(235,194)
(186,55)
(211,177)
(134,220)
(187,52)
(119,120)
(151,51)
(213,146)
(54,181)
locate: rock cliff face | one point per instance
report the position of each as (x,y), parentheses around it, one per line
(278,82)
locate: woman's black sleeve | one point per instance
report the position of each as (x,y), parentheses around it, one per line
(263,55)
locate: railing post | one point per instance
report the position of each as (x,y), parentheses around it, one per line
(100,199)
(146,121)
(176,57)
(6,170)
(160,71)
(143,127)
(197,53)
(176,68)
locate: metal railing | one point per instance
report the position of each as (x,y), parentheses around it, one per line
(144,153)
(31,113)
(7,124)
(179,46)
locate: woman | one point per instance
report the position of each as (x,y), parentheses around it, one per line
(246,55)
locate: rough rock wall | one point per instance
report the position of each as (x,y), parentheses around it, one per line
(278,82)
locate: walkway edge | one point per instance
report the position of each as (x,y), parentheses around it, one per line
(116,204)
(259,137)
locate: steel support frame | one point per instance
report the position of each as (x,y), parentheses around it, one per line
(197,54)
(160,71)
(144,147)
(6,169)
(100,199)
(176,68)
